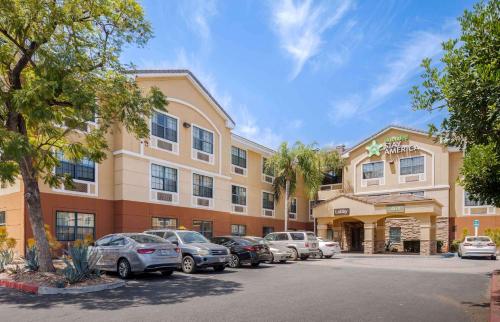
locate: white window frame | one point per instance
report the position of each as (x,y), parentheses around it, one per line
(95,183)
(175,200)
(176,144)
(193,197)
(245,170)
(262,204)
(263,175)
(310,208)
(490,209)
(421,176)
(296,209)
(364,182)
(194,151)
(238,205)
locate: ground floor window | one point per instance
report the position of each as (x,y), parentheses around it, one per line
(203,227)
(71,226)
(163,222)
(267,230)
(2,218)
(395,234)
(238,230)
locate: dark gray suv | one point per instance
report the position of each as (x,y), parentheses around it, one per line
(197,251)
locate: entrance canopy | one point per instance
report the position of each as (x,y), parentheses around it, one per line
(372,208)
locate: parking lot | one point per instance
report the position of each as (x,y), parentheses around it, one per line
(346,288)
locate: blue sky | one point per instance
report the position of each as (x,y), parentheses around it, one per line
(328,72)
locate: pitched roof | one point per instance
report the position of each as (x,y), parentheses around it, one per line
(191,76)
(385,129)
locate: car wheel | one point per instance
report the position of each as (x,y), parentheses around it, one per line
(283,261)
(271,260)
(167,273)
(219,268)
(459,255)
(329,256)
(320,254)
(234,261)
(188,265)
(255,264)
(124,270)
(304,258)
(295,254)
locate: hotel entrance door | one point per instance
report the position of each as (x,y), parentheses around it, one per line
(357,239)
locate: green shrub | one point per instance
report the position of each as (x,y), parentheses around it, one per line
(494,234)
(454,245)
(6,249)
(439,246)
(83,263)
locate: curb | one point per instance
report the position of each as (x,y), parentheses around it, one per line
(495,297)
(23,287)
(45,290)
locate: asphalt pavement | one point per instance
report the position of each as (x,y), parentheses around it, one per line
(342,289)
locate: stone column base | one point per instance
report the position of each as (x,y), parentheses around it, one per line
(368,247)
(379,246)
(427,247)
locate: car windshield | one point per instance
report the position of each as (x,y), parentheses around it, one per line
(147,239)
(244,242)
(189,237)
(255,240)
(478,239)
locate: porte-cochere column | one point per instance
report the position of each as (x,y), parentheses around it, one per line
(369,242)
(428,235)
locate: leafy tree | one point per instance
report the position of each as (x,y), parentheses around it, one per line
(467,85)
(299,160)
(59,68)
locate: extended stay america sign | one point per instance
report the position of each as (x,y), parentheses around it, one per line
(392,145)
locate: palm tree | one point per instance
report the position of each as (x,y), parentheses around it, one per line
(287,163)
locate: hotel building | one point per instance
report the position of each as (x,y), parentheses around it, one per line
(193,172)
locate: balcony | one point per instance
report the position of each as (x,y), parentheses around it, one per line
(328,191)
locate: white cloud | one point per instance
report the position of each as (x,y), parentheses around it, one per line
(404,64)
(300,27)
(197,14)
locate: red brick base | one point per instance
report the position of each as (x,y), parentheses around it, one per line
(23,287)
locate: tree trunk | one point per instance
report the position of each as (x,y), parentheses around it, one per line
(287,191)
(33,201)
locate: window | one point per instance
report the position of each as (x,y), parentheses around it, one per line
(238,157)
(281,236)
(468,202)
(73,225)
(312,203)
(268,200)
(293,206)
(297,236)
(81,170)
(163,222)
(2,218)
(413,193)
(414,165)
(395,234)
(202,186)
(239,195)
(266,171)
(238,230)
(267,230)
(332,177)
(373,170)
(203,227)
(164,126)
(203,140)
(163,178)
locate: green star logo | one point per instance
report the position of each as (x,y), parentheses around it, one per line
(374,148)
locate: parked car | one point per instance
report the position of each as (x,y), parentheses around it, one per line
(477,246)
(302,243)
(244,251)
(197,251)
(278,253)
(328,248)
(136,253)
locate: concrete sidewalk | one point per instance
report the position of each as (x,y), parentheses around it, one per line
(495,297)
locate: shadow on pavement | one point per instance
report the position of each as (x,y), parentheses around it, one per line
(146,289)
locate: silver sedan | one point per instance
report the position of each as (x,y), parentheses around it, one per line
(137,253)
(278,253)
(477,246)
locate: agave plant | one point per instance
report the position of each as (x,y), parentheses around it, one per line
(32,258)
(83,263)
(6,257)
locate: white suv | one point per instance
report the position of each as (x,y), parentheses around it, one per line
(302,243)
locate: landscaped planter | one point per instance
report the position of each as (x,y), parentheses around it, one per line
(45,290)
